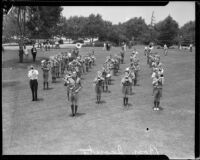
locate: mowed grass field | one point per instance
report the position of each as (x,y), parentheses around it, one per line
(46,126)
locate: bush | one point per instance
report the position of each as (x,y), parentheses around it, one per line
(78,41)
(29,42)
(99,44)
(172,47)
(96,44)
(159,47)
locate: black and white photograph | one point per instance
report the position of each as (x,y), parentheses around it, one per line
(99,80)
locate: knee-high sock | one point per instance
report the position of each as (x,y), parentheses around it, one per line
(155,104)
(158,104)
(76,108)
(72,107)
(126,100)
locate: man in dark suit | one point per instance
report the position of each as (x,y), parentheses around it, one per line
(33,76)
(34,52)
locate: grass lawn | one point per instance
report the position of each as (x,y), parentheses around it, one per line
(46,126)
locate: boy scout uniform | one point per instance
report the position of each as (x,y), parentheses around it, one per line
(158,82)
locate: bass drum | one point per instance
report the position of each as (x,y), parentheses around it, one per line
(78,45)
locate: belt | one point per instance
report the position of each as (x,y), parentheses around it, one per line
(157,87)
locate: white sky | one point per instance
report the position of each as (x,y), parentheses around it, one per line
(182,12)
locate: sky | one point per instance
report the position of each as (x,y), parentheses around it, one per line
(181,12)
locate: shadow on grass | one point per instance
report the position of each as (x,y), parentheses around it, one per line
(131,93)
(129,105)
(106,91)
(14,63)
(77,114)
(102,101)
(50,88)
(161,108)
(57,81)
(10,84)
(40,99)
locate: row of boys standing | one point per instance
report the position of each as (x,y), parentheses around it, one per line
(157,73)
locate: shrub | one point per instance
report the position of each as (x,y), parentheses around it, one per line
(99,44)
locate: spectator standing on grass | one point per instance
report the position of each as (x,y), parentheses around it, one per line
(104,46)
(180,47)
(25,51)
(21,53)
(33,76)
(190,47)
(49,45)
(165,49)
(34,52)
(145,51)
(124,46)
(42,46)
(45,46)
(108,46)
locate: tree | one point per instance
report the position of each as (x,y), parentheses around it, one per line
(94,26)
(135,27)
(74,27)
(43,20)
(15,25)
(9,31)
(187,31)
(107,27)
(167,31)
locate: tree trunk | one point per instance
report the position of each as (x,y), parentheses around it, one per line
(21,52)
(21,25)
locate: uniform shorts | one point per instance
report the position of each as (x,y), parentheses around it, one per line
(74,98)
(98,89)
(157,94)
(126,90)
(45,76)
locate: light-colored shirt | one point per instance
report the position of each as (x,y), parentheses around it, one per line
(124,80)
(158,82)
(26,51)
(150,49)
(33,74)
